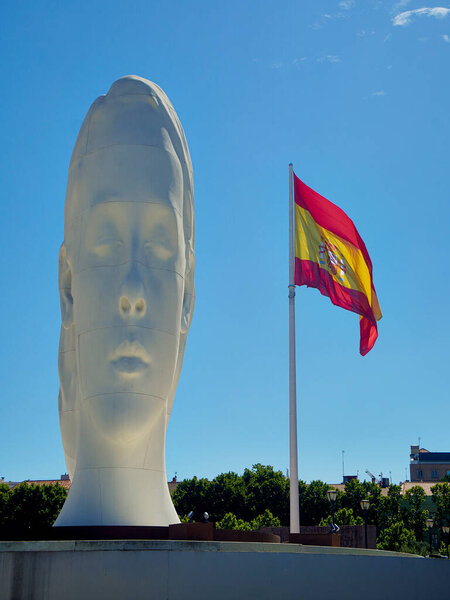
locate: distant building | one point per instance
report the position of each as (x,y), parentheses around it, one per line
(173,484)
(428,466)
(425,485)
(349,478)
(65,482)
(340,487)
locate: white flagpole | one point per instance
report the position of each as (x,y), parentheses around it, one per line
(293,454)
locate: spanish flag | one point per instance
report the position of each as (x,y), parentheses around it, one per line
(331,256)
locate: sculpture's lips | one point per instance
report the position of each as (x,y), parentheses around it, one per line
(130,357)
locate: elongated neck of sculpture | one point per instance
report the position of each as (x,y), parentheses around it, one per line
(119,482)
(119,497)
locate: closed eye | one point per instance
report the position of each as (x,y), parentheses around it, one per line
(160,249)
(107,246)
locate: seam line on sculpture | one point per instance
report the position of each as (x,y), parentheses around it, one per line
(131,94)
(174,154)
(126,263)
(78,215)
(133,468)
(119,326)
(121,393)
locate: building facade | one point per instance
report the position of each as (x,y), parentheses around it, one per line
(428,466)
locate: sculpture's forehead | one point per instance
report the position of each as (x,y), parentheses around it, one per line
(124,174)
(133,119)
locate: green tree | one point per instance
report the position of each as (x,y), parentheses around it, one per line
(5,495)
(355,491)
(314,503)
(440,494)
(246,496)
(226,494)
(266,519)
(443,549)
(35,506)
(230,521)
(343,516)
(192,495)
(262,488)
(395,537)
(265,488)
(389,508)
(413,511)
(415,547)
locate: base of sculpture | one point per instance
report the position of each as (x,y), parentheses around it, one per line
(188,570)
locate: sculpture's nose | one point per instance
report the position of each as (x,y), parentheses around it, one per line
(131,301)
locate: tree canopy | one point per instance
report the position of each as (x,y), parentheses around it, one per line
(30,506)
(260,498)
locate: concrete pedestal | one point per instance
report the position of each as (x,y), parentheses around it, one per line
(187,570)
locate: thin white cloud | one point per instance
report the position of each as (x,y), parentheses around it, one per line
(405,18)
(347,4)
(327,18)
(329,58)
(365,33)
(380,93)
(276,65)
(389,67)
(400,4)
(446,38)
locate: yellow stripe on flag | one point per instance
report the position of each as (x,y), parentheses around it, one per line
(343,261)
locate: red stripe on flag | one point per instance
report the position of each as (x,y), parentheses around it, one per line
(309,273)
(329,216)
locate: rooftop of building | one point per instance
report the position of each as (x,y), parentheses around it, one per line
(404,487)
(433,457)
(65,482)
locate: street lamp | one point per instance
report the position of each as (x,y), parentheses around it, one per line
(365,507)
(429,523)
(446,531)
(332,494)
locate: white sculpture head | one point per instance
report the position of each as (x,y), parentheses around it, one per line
(126,279)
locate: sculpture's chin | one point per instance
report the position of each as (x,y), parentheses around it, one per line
(125,418)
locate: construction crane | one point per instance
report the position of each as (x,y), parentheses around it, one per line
(380,480)
(374,479)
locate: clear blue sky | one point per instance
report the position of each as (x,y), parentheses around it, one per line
(356,95)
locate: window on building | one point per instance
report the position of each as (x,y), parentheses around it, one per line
(420,474)
(434,474)
(448,472)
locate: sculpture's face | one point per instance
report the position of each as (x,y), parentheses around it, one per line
(126,253)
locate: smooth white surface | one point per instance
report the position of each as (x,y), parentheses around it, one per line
(126,279)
